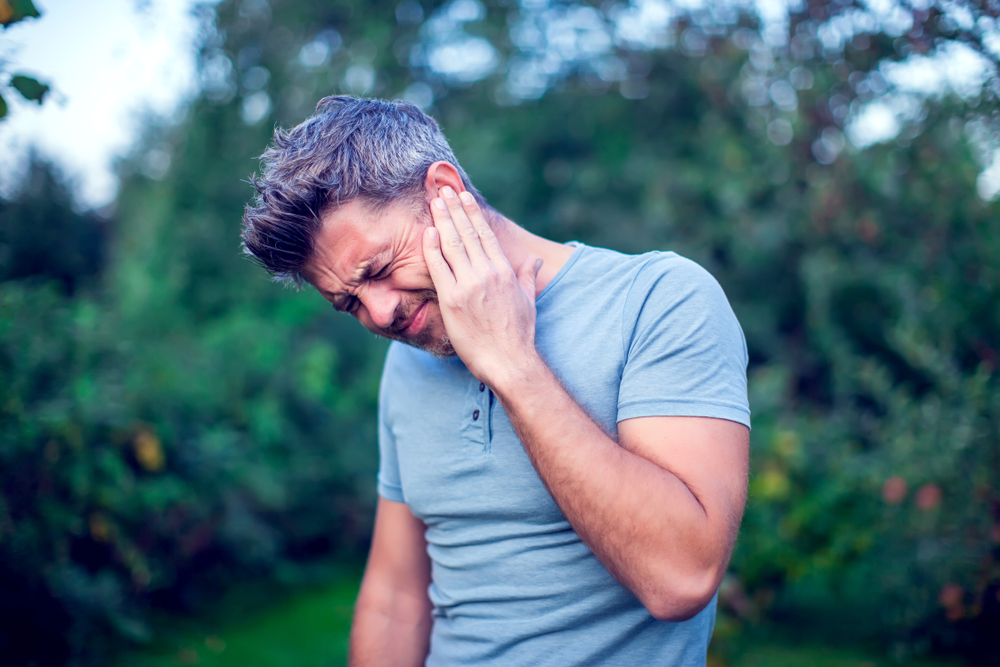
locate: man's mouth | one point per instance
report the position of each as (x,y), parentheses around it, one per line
(416,322)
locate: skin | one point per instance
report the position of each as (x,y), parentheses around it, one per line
(660,508)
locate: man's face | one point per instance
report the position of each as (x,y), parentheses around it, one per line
(371,264)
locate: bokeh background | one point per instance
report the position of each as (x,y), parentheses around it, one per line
(187,450)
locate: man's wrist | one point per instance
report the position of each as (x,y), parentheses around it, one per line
(518,379)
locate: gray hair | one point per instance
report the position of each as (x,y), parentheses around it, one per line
(377,150)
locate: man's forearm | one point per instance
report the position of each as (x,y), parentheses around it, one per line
(389,629)
(643,522)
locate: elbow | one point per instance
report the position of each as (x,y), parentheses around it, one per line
(682,598)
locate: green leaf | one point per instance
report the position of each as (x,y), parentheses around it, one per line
(3,107)
(31,89)
(12,11)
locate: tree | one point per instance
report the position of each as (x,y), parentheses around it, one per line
(189,425)
(44,238)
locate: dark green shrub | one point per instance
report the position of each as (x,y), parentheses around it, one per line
(178,424)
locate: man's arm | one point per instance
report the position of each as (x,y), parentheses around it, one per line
(661,507)
(392,617)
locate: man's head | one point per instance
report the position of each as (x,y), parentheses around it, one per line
(347,191)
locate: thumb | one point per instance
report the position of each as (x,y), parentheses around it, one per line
(527,275)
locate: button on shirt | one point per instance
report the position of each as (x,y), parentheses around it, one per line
(512,583)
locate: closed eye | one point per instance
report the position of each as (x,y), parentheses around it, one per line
(382,273)
(347,304)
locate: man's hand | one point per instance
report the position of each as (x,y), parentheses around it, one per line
(487,308)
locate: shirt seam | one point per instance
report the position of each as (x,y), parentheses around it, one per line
(386,484)
(577,253)
(628,295)
(681,401)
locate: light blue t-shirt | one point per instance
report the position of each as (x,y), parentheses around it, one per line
(512,583)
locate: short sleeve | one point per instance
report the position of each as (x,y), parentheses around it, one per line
(685,354)
(389,485)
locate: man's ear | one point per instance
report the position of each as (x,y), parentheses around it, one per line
(439,175)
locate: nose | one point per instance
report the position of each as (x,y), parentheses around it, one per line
(381,302)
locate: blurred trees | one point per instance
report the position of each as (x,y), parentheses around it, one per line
(43,237)
(171,422)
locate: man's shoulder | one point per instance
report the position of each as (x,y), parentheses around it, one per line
(661,271)
(599,258)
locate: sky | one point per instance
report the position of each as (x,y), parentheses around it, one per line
(108,62)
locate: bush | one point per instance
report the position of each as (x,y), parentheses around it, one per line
(150,456)
(172,423)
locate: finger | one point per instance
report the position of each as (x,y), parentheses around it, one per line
(488,239)
(527,275)
(451,243)
(437,265)
(467,232)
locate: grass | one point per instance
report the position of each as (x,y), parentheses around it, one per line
(307,629)
(791,655)
(310,629)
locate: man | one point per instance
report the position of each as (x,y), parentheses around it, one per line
(563,429)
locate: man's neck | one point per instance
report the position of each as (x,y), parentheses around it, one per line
(518,244)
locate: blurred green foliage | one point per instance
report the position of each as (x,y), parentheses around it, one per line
(30,88)
(12,11)
(309,628)
(172,423)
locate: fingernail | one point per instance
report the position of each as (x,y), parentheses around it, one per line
(466,197)
(432,233)
(538,265)
(447,191)
(440,203)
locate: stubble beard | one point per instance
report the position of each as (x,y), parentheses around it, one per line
(440,346)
